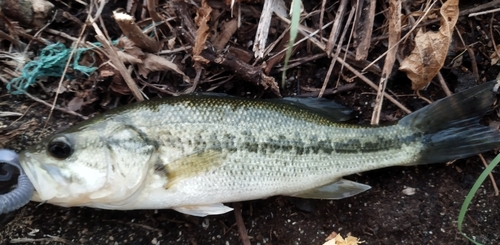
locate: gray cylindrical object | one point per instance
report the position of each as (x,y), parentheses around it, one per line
(24,190)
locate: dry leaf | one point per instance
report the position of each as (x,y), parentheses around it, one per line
(129,48)
(128,58)
(106,70)
(228,29)
(75,104)
(409,191)
(431,48)
(118,85)
(201,19)
(494,56)
(339,240)
(156,63)
(171,43)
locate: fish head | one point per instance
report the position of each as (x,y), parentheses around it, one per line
(101,166)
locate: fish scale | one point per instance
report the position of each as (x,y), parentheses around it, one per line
(193,153)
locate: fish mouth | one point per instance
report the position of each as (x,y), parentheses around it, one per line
(46,179)
(28,167)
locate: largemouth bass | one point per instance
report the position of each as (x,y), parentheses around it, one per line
(194,153)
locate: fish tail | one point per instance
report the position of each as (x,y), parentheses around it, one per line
(450,126)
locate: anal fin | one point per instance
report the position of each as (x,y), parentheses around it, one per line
(204,210)
(336,190)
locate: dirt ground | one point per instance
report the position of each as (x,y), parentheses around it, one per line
(382,215)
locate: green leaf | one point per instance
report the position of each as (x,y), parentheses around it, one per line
(472,193)
(294,29)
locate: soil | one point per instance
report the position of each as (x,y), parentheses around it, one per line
(382,215)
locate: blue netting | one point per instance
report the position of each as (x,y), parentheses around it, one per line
(52,61)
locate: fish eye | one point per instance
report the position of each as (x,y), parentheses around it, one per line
(60,147)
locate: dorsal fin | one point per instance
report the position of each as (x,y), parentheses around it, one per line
(327,108)
(322,106)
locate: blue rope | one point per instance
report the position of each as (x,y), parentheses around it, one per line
(51,63)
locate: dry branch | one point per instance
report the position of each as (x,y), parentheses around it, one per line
(337,26)
(394,36)
(365,28)
(115,60)
(228,61)
(135,34)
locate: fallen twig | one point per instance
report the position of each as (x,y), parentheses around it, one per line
(429,8)
(492,38)
(422,97)
(55,107)
(63,75)
(337,25)
(230,62)
(443,84)
(373,85)
(48,239)
(115,60)
(337,53)
(365,27)
(241,225)
(132,31)
(472,56)
(394,36)
(10,114)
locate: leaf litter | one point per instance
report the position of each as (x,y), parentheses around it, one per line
(431,48)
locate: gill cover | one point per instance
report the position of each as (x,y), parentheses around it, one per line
(130,153)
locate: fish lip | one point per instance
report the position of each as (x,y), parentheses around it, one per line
(31,166)
(28,167)
(29,170)
(39,177)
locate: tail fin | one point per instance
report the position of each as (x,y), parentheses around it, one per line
(451,126)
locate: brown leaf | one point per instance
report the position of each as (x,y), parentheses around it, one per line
(337,239)
(75,104)
(129,58)
(171,43)
(494,57)
(228,29)
(118,85)
(157,63)
(106,70)
(201,19)
(431,48)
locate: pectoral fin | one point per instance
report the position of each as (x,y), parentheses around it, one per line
(202,211)
(193,165)
(336,190)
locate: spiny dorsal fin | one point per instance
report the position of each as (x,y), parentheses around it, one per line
(327,108)
(322,106)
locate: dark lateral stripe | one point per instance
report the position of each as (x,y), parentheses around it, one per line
(281,144)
